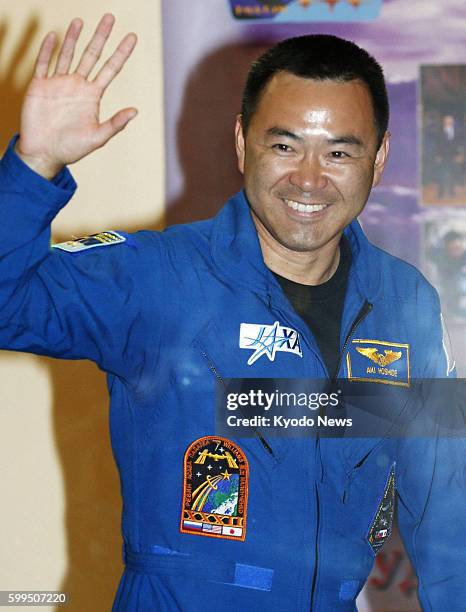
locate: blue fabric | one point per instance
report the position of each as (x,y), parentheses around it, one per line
(253,577)
(349,590)
(161,314)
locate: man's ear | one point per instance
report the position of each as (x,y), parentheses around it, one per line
(381,159)
(239,142)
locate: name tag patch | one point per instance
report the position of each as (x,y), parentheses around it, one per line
(90,242)
(215,489)
(378,361)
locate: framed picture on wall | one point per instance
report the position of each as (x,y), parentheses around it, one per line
(443,133)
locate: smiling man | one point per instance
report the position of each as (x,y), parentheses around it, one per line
(281,284)
(311,142)
(309,166)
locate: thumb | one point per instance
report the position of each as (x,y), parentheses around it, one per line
(115,124)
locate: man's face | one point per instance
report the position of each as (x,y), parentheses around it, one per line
(309,159)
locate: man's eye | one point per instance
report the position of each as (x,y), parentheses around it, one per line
(283,148)
(339,154)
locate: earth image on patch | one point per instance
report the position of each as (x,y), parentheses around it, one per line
(223,499)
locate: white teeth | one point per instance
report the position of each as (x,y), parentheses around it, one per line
(308,208)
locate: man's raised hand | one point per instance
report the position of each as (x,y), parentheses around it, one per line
(60,114)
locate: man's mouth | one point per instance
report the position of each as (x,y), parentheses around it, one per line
(305,208)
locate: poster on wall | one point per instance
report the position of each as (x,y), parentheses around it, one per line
(443,137)
(442,188)
(289,11)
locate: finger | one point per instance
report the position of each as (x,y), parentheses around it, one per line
(69,44)
(116,62)
(93,50)
(41,68)
(115,124)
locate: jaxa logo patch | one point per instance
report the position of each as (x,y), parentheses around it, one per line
(215,489)
(90,242)
(382,523)
(378,361)
(268,339)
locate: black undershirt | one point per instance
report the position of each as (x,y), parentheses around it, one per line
(321,306)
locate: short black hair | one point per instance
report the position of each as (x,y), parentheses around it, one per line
(320,57)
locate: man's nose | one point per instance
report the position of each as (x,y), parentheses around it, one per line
(309,175)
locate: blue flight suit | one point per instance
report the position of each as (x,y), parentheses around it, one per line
(162,315)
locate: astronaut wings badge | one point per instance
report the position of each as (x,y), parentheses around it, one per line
(215,489)
(379,361)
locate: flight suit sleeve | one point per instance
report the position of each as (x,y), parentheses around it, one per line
(73,306)
(431,481)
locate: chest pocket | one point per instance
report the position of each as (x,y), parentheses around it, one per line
(222,360)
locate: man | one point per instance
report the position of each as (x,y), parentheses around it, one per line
(448,157)
(252,523)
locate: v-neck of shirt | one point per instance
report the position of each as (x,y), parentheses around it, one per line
(321,306)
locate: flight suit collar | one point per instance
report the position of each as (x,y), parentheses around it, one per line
(236,250)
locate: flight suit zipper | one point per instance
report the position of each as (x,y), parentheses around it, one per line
(363,312)
(219,378)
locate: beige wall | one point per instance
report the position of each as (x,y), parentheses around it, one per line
(60,504)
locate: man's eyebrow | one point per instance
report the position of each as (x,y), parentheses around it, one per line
(338,140)
(349,140)
(278,131)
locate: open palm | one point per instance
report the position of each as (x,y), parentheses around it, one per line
(60,115)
